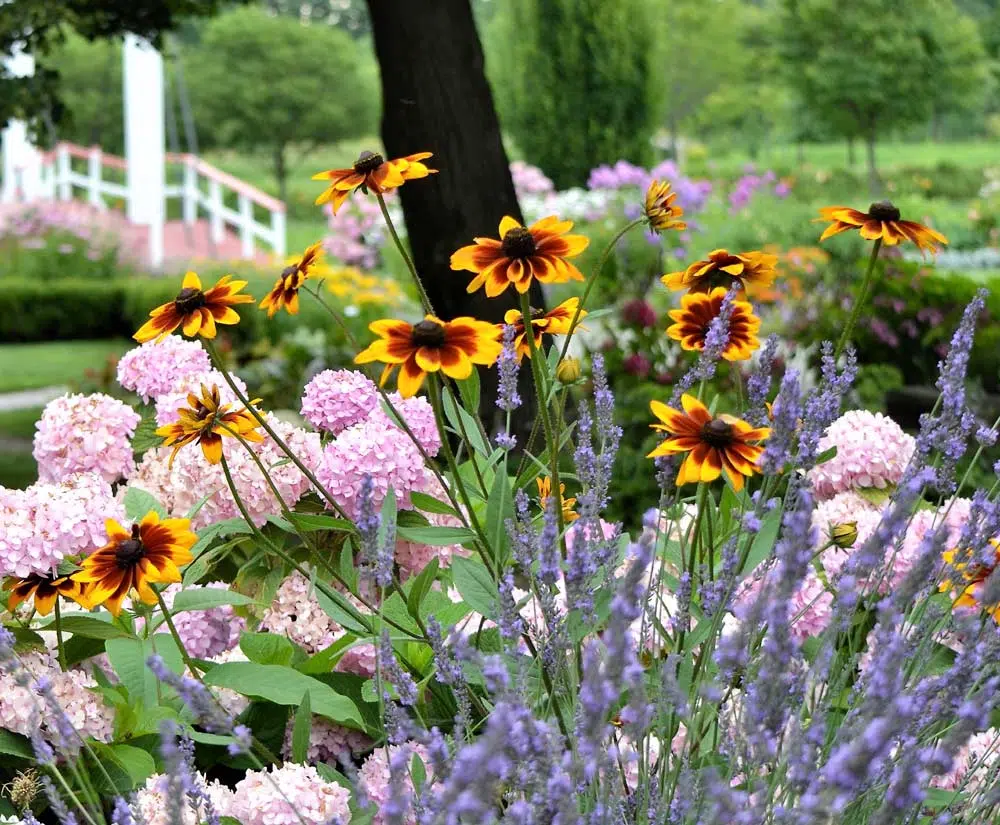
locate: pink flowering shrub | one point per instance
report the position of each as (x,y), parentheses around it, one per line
(290,795)
(334,400)
(157,367)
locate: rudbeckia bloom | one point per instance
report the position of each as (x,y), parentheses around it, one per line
(661,212)
(713,445)
(556,321)
(196,312)
(429,346)
(45,589)
(723,269)
(970,576)
(699,309)
(205,421)
(153,551)
(880,222)
(286,291)
(566,504)
(522,254)
(371,173)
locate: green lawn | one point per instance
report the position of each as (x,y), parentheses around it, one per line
(30,366)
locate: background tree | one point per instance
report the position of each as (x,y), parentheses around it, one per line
(271,83)
(573,82)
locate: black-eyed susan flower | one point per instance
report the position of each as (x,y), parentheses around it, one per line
(565,504)
(151,552)
(371,173)
(44,589)
(286,291)
(724,269)
(205,421)
(537,252)
(662,212)
(967,576)
(194,311)
(699,309)
(557,321)
(881,222)
(431,345)
(713,445)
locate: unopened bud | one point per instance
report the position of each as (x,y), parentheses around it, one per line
(844,535)
(568,371)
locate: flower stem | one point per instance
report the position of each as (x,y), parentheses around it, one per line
(188,661)
(406,255)
(866,287)
(59,637)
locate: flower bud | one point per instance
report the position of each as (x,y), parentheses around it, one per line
(844,535)
(568,370)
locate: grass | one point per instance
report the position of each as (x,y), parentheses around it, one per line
(17,466)
(19,424)
(52,363)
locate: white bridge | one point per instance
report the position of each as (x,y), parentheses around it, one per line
(219,216)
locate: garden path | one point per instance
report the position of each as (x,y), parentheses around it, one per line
(27,399)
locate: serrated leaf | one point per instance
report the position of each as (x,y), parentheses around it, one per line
(145,437)
(301,729)
(138,503)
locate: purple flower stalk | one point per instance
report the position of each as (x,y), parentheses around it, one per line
(507,367)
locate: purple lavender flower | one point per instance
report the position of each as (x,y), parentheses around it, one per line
(406,688)
(507,367)
(759,382)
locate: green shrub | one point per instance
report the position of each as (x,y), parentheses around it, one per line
(35,310)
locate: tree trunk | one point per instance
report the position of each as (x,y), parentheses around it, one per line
(851,158)
(874,183)
(281,172)
(436,98)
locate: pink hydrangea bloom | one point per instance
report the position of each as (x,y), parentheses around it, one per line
(328,741)
(206,633)
(84,433)
(383,452)
(975,761)
(179,488)
(337,399)
(375,779)
(43,524)
(418,415)
(359,659)
(155,368)
(291,795)
(150,803)
(810,608)
(168,403)
(413,557)
(841,509)
(872,451)
(296,614)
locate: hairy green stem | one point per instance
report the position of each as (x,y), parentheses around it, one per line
(866,287)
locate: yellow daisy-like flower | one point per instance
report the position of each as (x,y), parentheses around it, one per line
(371,173)
(713,445)
(45,589)
(661,211)
(194,311)
(522,254)
(880,222)
(205,421)
(431,345)
(968,578)
(724,269)
(153,551)
(286,291)
(699,309)
(557,321)
(566,504)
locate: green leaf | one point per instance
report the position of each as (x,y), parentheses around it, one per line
(145,437)
(455,415)
(301,729)
(207,598)
(13,744)
(203,562)
(313,522)
(476,585)
(268,648)
(499,509)
(468,389)
(89,627)
(284,686)
(25,637)
(338,608)
(436,536)
(763,542)
(827,455)
(126,766)
(420,587)
(138,502)
(128,658)
(429,504)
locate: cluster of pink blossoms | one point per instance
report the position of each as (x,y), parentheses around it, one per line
(156,367)
(48,521)
(337,399)
(328,742)
(290,795)
(149,805)
(170,402)
(357,233)
(206,633)
(181,487)
(85,433)
(375,778)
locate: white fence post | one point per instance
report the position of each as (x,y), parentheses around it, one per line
(63,170)
(278,233)
(246,226)
(215,210)
(21,160)
(94,178)
(189,190)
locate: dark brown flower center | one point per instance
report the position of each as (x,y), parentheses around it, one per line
(368,162)
(883,211)
(518,243)
(188,300)
(288,271)
(129,553)
(428,334)
(717,433)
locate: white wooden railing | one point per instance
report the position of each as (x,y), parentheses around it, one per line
(202,189)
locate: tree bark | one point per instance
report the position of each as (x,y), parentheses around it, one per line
(436,98)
